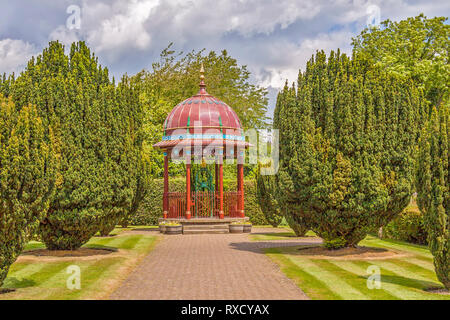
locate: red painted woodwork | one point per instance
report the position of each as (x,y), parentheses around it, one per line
(188,191)
(177,204)
(216,187)
(240,175)
(221,215)
(230,200)
(166,187)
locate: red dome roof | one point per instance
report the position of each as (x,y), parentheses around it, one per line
(204,118)
(204,109)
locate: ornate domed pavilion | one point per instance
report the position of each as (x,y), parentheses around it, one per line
(201,131)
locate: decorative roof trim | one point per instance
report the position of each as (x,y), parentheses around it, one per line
(204,137)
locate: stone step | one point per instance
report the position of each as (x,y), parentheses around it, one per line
(205,226)
(205,231)
(205,223)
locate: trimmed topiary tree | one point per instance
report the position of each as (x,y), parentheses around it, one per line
(296,222)
(26,179)
(127,152)
(433,189)
(284,191)
(407,226)
(107,226)
(89,118)
(265,193)
(346,146)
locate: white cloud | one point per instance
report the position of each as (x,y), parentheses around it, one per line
(14,55)
(282,58)
(124,28)
(274,38)
(116,29)
(64,35)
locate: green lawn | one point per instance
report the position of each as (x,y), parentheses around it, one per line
(401,277)
(45,278)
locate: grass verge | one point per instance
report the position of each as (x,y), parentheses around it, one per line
(405,277)
(46,277)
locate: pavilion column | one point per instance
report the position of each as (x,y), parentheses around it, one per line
(216,189)
(166,186)
(188,186)
(221,215)
(240,182)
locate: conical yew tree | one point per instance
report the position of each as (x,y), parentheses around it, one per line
(127,151)
(265,192)
(285,192)
(433,188)
(26,178)
(81,108)
(346,146)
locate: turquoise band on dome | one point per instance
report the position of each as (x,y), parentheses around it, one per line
(204,137)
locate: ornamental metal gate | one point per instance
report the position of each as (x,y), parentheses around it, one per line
(177,204)
(203,191)
(204,197)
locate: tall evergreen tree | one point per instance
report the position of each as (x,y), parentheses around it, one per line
(127,150)
(346,142)
(78,104)
(265,193)
(286,115)
(296,222)
(6,83)
(433,188)
(26,178)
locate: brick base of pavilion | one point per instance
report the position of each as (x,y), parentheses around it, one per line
(204,225)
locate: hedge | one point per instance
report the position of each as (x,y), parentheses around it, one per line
(408,226)
(151,207)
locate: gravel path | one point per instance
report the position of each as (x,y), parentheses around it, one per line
(220,266)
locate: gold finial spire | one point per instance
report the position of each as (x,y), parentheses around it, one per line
(202,82)
(202,72)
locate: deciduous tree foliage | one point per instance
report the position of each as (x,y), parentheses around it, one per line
(417,48)
(346,142)
(433,188)
(94,138)
(26,178)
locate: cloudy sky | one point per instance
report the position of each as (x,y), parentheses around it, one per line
(274,38)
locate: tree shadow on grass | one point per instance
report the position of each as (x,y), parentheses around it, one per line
(405,282)
(143,230)
(100,247)
(12,283)
(278,234)
(6,290)
(111,235)
(260,246)
(85,251)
